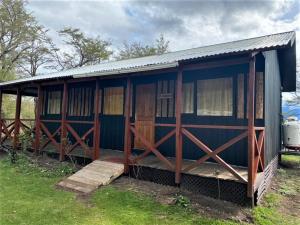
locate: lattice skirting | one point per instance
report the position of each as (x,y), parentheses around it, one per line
(226,190)
(269,172)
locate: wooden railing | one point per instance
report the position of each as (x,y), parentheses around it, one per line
(8,128)
(210,153)
(79,140)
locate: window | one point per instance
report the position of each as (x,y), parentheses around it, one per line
(240,96)
(113,101)
(214,97)
(165,98)
(54,102)
(80,101)
(188,98)
(259,96)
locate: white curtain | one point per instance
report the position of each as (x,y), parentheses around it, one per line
(214,97)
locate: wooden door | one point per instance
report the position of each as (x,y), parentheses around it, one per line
(145,113)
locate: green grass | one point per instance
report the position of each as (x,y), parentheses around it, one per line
(28,196)
(271,211)
(295,159)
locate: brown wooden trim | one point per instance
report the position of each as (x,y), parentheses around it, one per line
(165,125)
(225,127)
(96,136)
(127,138)
(217,151)
(178,134)
(7,132)
(63,138)
(48,141)
(38,111)
(78,139)
(207,150)
(83,138)
(17,120)
(49,135)
(157,144)
(149,146)
(79,122)
(251,131)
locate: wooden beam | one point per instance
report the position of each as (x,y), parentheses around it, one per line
(178,134)
(63,138)
(127,137)
(218,159)
(78,138)
(50,136)
(96,137)
(17,120)
(48,141)
(154,150)
(251,130)
(222,127)
(217,151)
(83,138)
(38,110)
(157,144)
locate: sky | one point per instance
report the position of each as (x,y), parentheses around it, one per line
(186,24)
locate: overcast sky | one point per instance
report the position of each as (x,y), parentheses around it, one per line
(186,24)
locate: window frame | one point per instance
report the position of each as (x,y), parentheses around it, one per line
(47,95)
(103,100)
(233,93)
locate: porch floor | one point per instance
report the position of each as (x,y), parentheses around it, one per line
(207,169)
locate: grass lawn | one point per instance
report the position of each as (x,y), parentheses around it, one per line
(28,196)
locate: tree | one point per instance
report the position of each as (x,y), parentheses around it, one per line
(41,53)
(84,50)
(18,27)
(136,49)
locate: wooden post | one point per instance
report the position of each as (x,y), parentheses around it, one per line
(17,120)
(178,127)
(0,117)
(251,131)
(96,137)
(127,138)
(38,110)
(63,137)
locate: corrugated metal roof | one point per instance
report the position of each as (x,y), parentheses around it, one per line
(169,60)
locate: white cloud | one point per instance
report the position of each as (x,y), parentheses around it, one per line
(185,23)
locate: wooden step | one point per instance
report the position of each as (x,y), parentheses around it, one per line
(92,176)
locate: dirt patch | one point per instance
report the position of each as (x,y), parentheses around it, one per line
(2,154)
(49,162)
(206,206)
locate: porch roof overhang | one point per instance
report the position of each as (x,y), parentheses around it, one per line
(284,43)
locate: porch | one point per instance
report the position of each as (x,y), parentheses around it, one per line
(178,127)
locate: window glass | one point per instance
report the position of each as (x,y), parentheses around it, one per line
(240,96)
(165,98)
(54,102)
(188,98)
(80,101)
(113,101)
(214,97)
(259,96)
